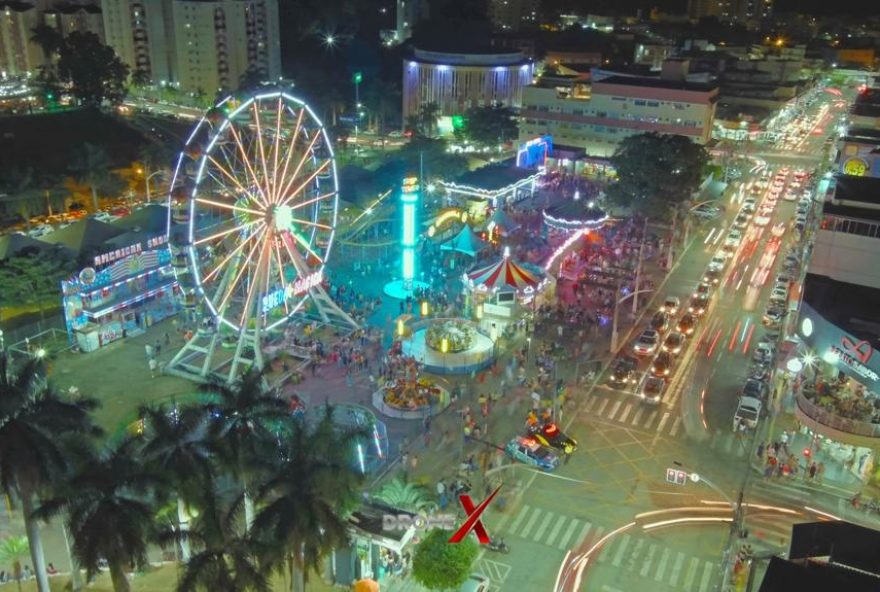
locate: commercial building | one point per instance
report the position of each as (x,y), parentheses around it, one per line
(512,15)
(457,81)
(865,110)
(597,116)
(859,152)
(197,45)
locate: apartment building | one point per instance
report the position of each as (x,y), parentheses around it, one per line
(512,15)
(68,17)
(18,55)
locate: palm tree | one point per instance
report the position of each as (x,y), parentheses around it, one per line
(13,550)
(312,488)
(54,192)
(34,425)
(223,559)
(176,447)
(140,78)
(428,114)
(243,416)
(92,167)
(400,494)
(154,157)
(49,40)
(108,507)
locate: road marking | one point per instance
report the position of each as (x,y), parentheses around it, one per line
(625,413)
(583,534)
(528,528)
(637,416)
(676,569)
(614,409)
(556,528)
(663,421)
(652,417)
(497,572)
(675,425)
(543,527)
(636,554)
(646,564)
(591,404)
(570,531)
(606,549)
(602,407)
(661,569)
(621,550)
(691,573)
(519,519)
(728,443)
(707,577)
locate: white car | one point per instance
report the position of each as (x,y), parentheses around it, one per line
(778,229)
(647,343)
(748,411)
(749,204)
(734,238)
(41,230)
(718,262)
(671,305)
(790,195)
(475,583)
(762,219)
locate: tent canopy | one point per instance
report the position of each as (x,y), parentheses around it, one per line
(505,274)
(466,242)
(503,222)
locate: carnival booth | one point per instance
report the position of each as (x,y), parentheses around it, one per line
(500,225)
(506,290)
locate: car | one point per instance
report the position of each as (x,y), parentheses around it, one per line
(670,305)
(103,217)
(652,389)
(790,195)
(703,288)
(660,322)
(734,238)
(40,230)
(647,343)
(662,365)
(698,304)
(719,261)
(748,410)
(395,134)
(673,343)
(782,278)
(773,316)
(779,294)
(764,352)
(762,219)
(624,371)
(754,388)
(707,213)
(741,221)
(749,204)
(687,324)
(551,436)
(778,229)
(528,451)
(712,276)
(475,583)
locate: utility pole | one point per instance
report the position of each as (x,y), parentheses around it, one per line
(639,268)
(672,238)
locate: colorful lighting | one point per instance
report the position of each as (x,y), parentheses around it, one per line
(409,197)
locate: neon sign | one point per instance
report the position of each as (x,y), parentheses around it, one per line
(301,285)
(855,355)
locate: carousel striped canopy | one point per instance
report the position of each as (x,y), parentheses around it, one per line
(504,274)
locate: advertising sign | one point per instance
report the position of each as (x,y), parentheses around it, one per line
(851,355)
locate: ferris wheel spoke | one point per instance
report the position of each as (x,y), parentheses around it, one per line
(262,152)
(305,245)
(305,183)
(295,258)
(232,207)
(310,223)
(231,177)
(230,289)
(237,249)
(247,163)
(281,275)
(317,198)
(306,154)
(238,228)
(290,149)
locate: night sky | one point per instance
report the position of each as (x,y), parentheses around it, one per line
(858,7)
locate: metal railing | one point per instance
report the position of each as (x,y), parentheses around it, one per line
(829,419)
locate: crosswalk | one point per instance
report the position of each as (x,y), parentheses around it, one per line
(635,414)
(639,555)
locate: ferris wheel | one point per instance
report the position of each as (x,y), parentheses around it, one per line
(253,207)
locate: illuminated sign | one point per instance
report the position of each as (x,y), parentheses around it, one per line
(300,286)
(855,355)
(855,167)
(410,185)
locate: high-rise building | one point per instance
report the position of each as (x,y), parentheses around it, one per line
(17,54)
(197,45)
(730,10)
(409,13)
(511,15)
(66,17)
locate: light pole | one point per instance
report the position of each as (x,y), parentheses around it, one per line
(639,268)
(617,304)
(147,182)
(357,79)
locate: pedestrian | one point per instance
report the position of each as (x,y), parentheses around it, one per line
(167,339)
(414,462)
(154,366)
(157,348)
(813,469)
(760,451)
(820,470)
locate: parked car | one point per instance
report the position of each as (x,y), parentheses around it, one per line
(647,343)
(764,352)
(475,582)
(755,388)
(748,411)
(773,316)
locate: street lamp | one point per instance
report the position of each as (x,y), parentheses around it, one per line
(147,182)
(617,303)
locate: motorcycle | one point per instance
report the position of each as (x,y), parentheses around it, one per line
(498,545)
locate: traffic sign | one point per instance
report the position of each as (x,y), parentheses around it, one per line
(676,476)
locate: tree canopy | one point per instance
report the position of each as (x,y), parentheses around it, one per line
(490,125)
(656,173)
(94,71)
(440,565)
(33,278)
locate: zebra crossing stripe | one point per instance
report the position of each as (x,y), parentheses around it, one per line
(728,443)
(583,534)
(661,569)
(707,577)
(621,550)
(675,425)
(663,421)
(543,527)
(614,409)
(531,523)
(652,417)
(676,569)
(646,564)
(591,404)
(556,528)
(568,532)
(602,407)
(625,413)
(691,573)
(637,416)
(605,553)
(519,519)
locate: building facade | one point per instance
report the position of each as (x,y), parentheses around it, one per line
(730,10)
(512,15)
(18,55)
(455,82)
(409,13)
(596,117)
(196,45)
(67,18)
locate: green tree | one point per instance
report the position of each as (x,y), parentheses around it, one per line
(20,186)
(12,551)
(439,565)
(35,278)
(140,78)
(35,425)
(312,487)
(108,507)
(490,125)
(433,156)
(92,167)
(656,173)
(428,115)
(93,70)
(177,448)
(398,493)
(54,192)
(49,40)
(243,417)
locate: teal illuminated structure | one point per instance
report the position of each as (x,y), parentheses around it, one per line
(409,197)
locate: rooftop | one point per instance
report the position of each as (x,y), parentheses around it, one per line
(849,306)
(658,83)
(865,135)
(494,177)
(857,189)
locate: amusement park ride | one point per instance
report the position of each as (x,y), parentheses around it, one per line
(253,210)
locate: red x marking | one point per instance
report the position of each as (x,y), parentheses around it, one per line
(473,521)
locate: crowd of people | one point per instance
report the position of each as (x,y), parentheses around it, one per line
(845,399)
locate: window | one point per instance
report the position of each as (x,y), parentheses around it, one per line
(618,98)
(639,103)
(653,103)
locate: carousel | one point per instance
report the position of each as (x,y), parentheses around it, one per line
(406,393)
(504,291)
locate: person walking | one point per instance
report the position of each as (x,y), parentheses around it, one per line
(813,469)
(154,366)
